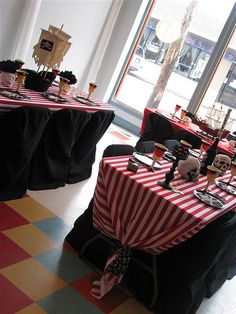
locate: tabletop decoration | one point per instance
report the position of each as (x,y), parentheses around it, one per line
(183,114)
(20,77)
(180,152)
(187,120)
(49,52)
(157,155)
(226,185)
(189,169)
(71,81)
(8,70)
(222,162)
(132,165)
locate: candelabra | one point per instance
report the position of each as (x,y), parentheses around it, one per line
(181,153)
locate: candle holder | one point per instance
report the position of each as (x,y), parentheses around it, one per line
(181,153)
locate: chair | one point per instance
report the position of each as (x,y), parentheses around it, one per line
(192,139)
(171,144)
(145,147)
(118,150)
(20,132)
(157,129)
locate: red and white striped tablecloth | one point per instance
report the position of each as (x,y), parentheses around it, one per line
(134,209)
(38,100)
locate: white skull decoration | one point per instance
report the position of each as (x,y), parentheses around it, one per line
(186,120)
(222,162)
(189,168)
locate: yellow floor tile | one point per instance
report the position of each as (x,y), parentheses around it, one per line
(32,309)
(31,239)
(32,278)
(30,209)
(131,306)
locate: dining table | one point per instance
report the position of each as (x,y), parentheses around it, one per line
(38,99)
(191,128)
(135,210)
(47,144)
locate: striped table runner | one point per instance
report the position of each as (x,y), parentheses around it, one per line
(134,209)
(37,99)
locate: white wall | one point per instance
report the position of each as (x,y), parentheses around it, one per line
(84,20)
(10,17)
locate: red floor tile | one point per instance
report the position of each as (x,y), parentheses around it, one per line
(11,253)
(9,218)
(108,303)
(11,298)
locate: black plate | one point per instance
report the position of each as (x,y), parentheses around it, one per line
(226,186)
(86,101)
(209,198)
(12,94)
(54,97)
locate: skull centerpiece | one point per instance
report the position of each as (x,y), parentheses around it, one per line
(222,162)
(189,169)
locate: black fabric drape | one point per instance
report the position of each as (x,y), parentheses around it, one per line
(157,129)
(84,149)
(51,159)
(20,132)
(187,273)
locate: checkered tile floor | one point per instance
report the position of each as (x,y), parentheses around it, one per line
(38,274)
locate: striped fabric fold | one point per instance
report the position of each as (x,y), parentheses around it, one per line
(139,213)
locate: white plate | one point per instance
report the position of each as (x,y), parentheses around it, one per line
(86,101)
(226,186)
(146,160)
(193,153)
(210,199)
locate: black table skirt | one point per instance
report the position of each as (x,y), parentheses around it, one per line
(41,149)
(187,273)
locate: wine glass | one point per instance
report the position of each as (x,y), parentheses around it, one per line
(212,173)
(62,84)
(177,108)
(91,89)
(20,77)
(204,146)
(157,154)
(233,171)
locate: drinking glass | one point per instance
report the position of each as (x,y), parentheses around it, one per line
(233,171)
(204,146)
(212,173)
(177,108)
(91,89)
(157,154)
(62,84)
(20,77)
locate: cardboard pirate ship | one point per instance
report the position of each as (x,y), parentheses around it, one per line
(48,54)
